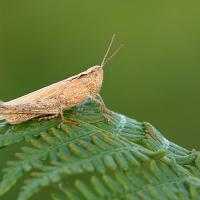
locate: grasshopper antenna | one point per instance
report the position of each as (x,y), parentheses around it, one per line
(105,59)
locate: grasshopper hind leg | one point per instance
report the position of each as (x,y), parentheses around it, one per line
(47,117)
(52,116)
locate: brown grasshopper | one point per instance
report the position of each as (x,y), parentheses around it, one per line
(52,100)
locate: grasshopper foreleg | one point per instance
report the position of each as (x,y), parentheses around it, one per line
(98,99)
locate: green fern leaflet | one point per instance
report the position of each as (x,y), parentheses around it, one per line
(94,159)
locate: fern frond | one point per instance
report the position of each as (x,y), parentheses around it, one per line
(93,159)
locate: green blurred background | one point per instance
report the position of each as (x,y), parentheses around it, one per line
(155,78)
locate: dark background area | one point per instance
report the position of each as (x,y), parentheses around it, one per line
(155,78)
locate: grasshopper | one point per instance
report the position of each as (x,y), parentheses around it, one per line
(51,101)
